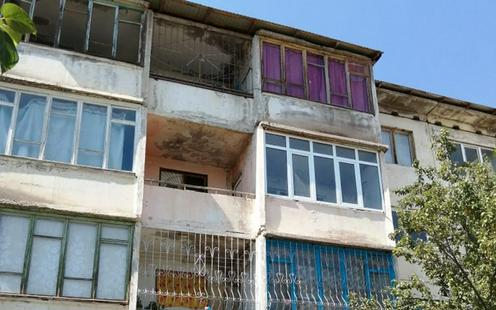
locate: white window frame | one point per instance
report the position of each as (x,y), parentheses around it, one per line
(479,149)
(77,128)
(336,160)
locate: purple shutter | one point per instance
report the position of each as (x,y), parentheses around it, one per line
(294,73)
(359,94)
(316,78)
(272,68)
(337,78)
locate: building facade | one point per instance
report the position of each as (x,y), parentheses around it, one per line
(167,155)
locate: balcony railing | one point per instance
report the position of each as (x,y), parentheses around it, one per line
(205,189)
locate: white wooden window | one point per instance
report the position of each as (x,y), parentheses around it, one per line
(309,170)
(70,131)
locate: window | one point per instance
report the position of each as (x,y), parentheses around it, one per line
(314,171)
(400,146)
(64,257)
(470,153)
(313,79)
(113,31)
(67,131)
(201,55)
(180,179)
(306,275)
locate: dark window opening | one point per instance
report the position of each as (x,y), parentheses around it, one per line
(183,180)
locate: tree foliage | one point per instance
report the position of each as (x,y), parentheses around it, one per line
(14,23)
(456,206)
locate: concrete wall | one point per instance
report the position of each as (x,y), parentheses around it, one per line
(325,223)
(23,303)
(79,72)
(201,105)
(27,182)
(174,209)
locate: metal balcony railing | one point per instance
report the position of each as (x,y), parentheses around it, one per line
(205,189)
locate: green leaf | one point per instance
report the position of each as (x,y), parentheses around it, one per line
(8,53)
(14,35)
(17,19)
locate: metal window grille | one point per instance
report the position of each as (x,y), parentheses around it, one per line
(200,56)
(193,270)
(311,276)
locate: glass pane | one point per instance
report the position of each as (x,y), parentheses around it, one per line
(371,187)
(457,156)
(49,228)
(321,148)
(471,154)
(294,73)
(10,283)
(46,19)
(386,139)
(60,139)
(80,251)
(115,232)
(301,176)
(44,266)
(345,152)
(325,179)
(121,147)
(348,183)
(123,114)
(299,144)
(316,78)
(367,156)
(7,96)
(275,139)
(359,93)
(5,120)
(92,135)
(102,30)
(277,177)
(29,125)
(489,156)
(74,23)
(337,80)
(13,237)
(77,288)
(403,151)
(112,272)
(128,37)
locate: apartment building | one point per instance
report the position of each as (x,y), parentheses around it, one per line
(168,155)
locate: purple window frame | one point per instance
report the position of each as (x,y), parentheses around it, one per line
(316,78)
(272,69)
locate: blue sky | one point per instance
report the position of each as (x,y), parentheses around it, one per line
(442,46)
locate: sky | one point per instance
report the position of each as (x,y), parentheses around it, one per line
(447,47)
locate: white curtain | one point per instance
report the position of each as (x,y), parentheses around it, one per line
(116,153)
(61,131)
(13,238)
(29,126)
(5,118)
(79,260)
(92,135)
(112,271)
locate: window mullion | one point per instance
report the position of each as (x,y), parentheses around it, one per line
(27,257)
(96,260)
(61,273)
(393,146)
(358,179)
(130,241)
(88,25)
(44,132)
(305,73)
(348,85)
(464,156)
(13,122)
(59,25)
(31,13)
(327,80)
(115,33)
(283,81)
(77,129)
(106,148)
(289,162)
